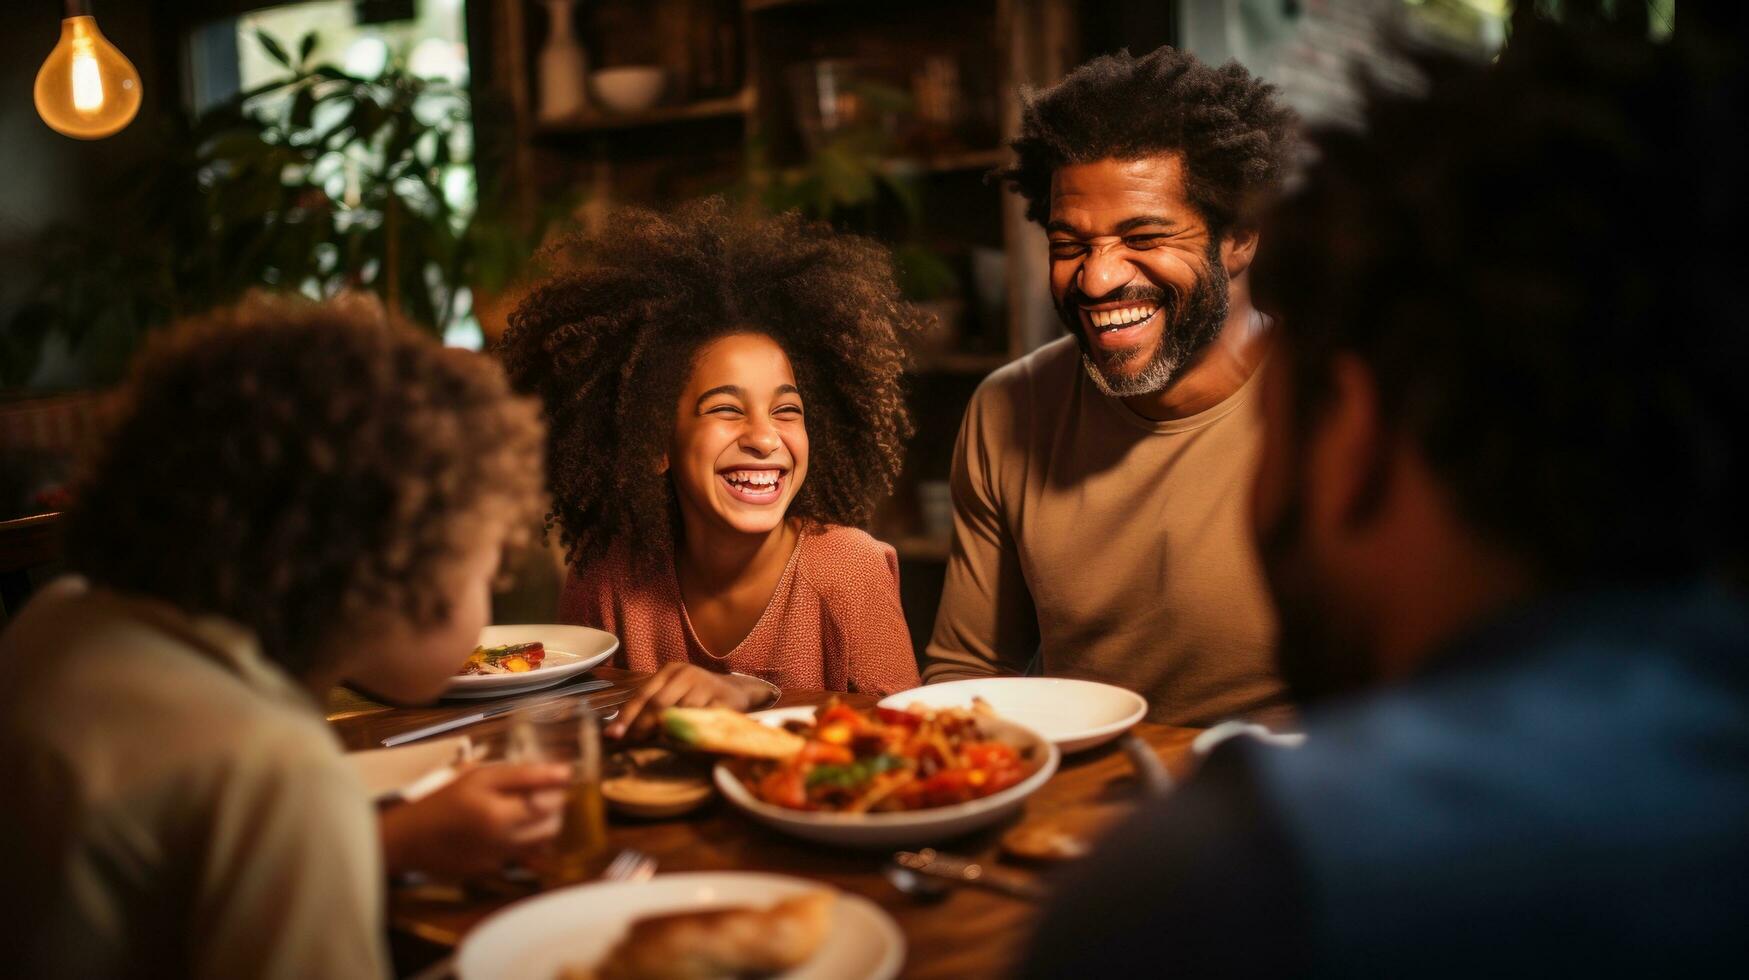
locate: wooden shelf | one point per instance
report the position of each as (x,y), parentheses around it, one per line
(600,120)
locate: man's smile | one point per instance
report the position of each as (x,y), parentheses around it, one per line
(1116,328)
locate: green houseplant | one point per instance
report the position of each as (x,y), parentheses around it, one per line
(319,181)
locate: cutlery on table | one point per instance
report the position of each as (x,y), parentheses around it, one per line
(454,723)
(927,874)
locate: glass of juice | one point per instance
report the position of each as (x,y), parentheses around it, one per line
(567,731)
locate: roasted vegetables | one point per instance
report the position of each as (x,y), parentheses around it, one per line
(514,658)
(877,759)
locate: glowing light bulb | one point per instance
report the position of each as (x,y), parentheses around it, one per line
(86,89)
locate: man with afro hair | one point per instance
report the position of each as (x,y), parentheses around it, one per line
(1099,483)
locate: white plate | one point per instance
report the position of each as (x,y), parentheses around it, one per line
(1074,714)
(909,828)
(536,937)
(410,772)
(571,650)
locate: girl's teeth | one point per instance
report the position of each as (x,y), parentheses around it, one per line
(753,479)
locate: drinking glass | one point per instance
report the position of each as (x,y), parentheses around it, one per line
(567,731)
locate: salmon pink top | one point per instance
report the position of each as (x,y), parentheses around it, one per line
(834,622)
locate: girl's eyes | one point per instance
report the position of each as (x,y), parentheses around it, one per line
(731,411)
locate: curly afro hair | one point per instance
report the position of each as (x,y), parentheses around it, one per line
(608,348)
(1236,139)
(295,466)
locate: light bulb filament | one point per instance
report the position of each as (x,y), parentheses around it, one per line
(87,80)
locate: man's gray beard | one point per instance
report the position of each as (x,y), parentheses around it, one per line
(1159,373)
(1199,318)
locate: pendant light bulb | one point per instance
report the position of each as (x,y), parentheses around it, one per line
(86,89)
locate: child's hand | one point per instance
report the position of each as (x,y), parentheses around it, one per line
(687,686)
(488,816)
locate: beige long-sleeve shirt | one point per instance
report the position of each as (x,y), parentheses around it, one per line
(1113,547)
(175,803)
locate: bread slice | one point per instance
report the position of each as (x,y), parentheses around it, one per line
(729,732)
(717,943)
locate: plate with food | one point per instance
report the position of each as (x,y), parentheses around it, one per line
(707,924)
(869,777)
(1075,714)
(527,657)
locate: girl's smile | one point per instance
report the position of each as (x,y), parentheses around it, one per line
(758,486)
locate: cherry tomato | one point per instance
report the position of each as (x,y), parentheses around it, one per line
(784,787)
(890,717)
(825,752)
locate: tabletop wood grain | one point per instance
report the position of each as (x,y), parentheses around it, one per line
(972,933)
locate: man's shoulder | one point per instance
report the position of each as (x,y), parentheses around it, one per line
(1016,394)
(1496,766)
(1052,368)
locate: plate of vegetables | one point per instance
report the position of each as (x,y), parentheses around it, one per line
(528,657)
(871,777)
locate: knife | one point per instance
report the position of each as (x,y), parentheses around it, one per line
(493,712)
(935,864)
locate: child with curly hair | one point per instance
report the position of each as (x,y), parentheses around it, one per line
(725,408)
(291,496)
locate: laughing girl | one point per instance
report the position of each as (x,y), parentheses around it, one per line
(725,409)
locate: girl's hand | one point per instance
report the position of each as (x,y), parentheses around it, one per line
(489,815)
(686,686)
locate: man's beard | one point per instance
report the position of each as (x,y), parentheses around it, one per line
(1191,323)
(1319,655)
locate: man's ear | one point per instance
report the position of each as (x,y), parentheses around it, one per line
(1238,248)
(1353,447)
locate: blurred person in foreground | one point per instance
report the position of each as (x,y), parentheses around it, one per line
(291,496)
(1501,481)
(1099,483)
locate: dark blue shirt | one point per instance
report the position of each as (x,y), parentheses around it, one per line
(1564,792)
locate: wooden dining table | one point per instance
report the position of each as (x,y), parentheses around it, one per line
(971,933)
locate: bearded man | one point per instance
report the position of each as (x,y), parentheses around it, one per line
(1099,483)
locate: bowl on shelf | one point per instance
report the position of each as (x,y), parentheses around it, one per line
(629,89)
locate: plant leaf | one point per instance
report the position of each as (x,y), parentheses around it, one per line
(274,50)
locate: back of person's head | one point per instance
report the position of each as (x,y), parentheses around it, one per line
(1537,262)
(293,466)
(1231,129)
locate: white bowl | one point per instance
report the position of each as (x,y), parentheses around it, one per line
(631,89)
(1076,715)
(540,936)
(908,828)
(571,650)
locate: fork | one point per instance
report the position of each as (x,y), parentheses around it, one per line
(630,864)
